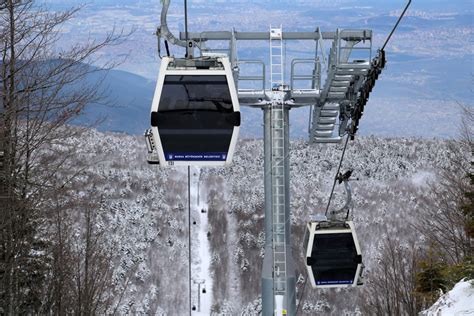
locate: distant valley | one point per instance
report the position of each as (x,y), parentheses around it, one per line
(428,76)
(400,106)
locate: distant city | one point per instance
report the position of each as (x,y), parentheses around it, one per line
(429,68)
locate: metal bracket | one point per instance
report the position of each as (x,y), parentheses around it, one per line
(343,178)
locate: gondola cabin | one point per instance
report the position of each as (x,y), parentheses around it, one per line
(333,256)
(195,114)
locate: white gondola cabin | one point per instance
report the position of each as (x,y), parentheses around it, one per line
(195,114)
(333,256)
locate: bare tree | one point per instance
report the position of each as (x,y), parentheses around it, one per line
(467,126)
(391,284)
(442,222)
(93,272)
(58,297)
(42,88)
(443,219)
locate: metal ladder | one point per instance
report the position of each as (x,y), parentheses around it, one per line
(276,58)
(278,166)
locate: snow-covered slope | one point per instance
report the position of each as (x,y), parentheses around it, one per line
(144,217)
(458,301)
(392,182)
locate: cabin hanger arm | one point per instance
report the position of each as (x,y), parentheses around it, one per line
(344,178)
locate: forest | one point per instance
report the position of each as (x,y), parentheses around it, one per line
(88,228)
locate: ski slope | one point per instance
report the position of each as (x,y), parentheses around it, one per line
(200,243)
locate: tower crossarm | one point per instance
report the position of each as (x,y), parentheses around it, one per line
(358,35)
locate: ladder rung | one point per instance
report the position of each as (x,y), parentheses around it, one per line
(323,133)
(343,78)
(339,95)
(326,140)
(325,127)
(340,83)
(326,120)
(337,89)
(331,106)
(329,113)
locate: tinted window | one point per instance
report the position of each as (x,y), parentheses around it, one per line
(335,258)
(195,93)
(195,116)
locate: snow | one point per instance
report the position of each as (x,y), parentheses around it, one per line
(143,215)
(458,301)
(200,271)
(422,178)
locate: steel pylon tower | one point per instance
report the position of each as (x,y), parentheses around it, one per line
(336,108)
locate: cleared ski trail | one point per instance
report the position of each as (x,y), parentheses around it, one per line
(200,248)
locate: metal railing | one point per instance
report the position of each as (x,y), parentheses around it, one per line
(259,77)
(340,48)
(315,77)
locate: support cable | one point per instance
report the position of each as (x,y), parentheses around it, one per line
(189,237)
(186,21)
(337,173)
(167,49)
(396,25)
(348,136)
(347,139)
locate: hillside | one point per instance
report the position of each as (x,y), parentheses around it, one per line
(417,94)
(125,105)
(89,228)
(143,215)
(397,108)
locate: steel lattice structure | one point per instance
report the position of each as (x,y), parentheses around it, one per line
(337,106)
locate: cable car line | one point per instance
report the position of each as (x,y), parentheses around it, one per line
(337,174)
(195,120)
(396,24)
(333,255)
(186,24)
(360,103)
(167,49)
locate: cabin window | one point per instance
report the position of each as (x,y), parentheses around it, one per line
(334,258)
(195,117)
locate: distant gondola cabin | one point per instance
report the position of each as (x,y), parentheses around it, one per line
(195,114)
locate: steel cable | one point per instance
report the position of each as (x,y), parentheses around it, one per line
(337,173)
